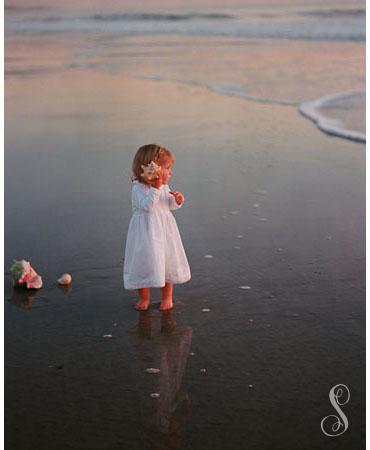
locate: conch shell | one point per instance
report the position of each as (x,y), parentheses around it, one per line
(23,273)
(152,171)
(65,279)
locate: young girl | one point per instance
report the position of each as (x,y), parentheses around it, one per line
(154,255)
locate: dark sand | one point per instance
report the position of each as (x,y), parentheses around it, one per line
(293,195)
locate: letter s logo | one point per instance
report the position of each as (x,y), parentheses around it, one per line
(340,425)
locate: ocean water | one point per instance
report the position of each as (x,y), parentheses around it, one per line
(173,45)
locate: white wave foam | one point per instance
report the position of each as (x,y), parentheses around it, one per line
(335,127)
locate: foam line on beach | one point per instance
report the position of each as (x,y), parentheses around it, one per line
(334,127)
(308,109)
(228,90)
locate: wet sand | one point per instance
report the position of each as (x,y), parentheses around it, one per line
(280,207)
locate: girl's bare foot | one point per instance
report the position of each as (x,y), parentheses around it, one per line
(166,304)
(142,305)
(144,299)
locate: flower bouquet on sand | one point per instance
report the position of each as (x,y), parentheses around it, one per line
(23,273)
(152,171)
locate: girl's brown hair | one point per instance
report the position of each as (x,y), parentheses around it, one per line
(145,155)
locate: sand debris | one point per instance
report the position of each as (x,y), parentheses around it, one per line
(107,336)
(206,310)
(245,287)
(208,256)
(155,394)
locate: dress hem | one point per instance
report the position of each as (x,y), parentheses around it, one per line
(150,285)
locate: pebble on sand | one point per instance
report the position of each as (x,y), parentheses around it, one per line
(155,394)
(256,205)
(152,370)
(107,336)
(245,287)
(192,354)
(234,213)
(206,310)
(250,386)
(208,256)
(240,236)
(203,370)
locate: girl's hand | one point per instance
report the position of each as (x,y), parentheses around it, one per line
(178,197)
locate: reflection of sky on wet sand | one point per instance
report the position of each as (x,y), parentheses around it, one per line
(160,343)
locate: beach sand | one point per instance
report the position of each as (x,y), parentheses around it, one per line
(279,205)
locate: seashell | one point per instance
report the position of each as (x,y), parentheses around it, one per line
(107,336)
(152,370)
(23,273)
(66,278)
(152,171)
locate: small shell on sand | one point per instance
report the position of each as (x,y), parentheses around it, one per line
(206,310)
(155,395)
(152,370)
(65,279)
(245,287)
(208,256)
(107,336)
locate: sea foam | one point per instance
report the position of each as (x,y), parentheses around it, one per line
(334,126)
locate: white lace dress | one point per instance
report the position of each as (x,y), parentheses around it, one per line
(154,253)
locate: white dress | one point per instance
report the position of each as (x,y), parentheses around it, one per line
(154,253)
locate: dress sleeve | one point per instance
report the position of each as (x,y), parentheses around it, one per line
(144,200)
(171,200)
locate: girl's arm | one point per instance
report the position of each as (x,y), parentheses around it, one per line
(145,201)
(172,201)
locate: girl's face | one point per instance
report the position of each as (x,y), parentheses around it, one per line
(166,172)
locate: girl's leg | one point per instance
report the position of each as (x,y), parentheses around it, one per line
(144,299)
(166,297)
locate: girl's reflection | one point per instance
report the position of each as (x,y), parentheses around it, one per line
(164,345)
